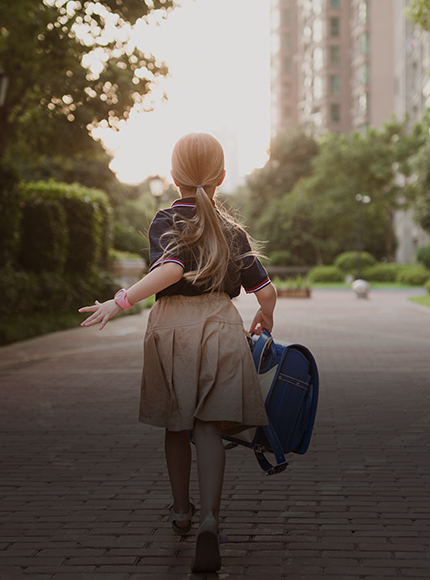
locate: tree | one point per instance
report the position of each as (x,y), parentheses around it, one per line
(418,187)
(72,66)
(291,155)
(419,13)
(321,211)
(304,200)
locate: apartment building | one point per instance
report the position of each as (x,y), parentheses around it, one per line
(342,65)
(345,65)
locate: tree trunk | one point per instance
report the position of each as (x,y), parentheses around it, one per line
(318,255)
(3,131)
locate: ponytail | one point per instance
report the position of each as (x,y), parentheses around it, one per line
(211,235)
(213,254)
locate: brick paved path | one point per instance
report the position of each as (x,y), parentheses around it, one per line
(84,485)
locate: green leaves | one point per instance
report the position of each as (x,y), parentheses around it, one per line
(304,200)
(419,13)
(71,66)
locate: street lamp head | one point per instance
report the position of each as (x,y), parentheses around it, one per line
(156,186)
(4,82)
(363,198)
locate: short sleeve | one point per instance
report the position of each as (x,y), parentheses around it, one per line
(253,274)
(159,240)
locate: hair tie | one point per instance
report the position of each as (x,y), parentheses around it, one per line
(197,186)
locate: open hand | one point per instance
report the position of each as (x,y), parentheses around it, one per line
(102,313)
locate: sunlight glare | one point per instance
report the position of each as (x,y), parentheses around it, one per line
(218,54)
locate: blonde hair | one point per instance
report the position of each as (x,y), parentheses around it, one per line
(211,235)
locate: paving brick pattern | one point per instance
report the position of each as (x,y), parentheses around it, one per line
(84,485)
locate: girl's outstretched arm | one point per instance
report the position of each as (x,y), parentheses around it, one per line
(161,277)
(264,316)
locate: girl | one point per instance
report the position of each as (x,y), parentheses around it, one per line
(198,373)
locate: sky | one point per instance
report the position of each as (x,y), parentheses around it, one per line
(218,55)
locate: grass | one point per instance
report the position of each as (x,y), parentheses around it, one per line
(16,328)
(423,300)
(375,285)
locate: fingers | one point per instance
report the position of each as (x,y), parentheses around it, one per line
(104,322)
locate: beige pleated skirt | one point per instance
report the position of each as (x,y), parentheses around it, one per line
(198,365)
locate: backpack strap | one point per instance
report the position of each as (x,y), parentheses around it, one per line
(263,341)
(276,446)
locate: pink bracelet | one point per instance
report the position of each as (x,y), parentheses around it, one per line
(122,300)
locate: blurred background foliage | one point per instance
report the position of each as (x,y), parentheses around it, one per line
(303,201)
(72,68)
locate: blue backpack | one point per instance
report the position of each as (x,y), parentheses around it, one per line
(289,384)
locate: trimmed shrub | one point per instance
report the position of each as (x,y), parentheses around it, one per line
(423,255)
(43,235)
(87,223)
(280,258)
(381,272)
(326,274)
(347,261)
(29,292)
(10,213)
(127,239)
(413,275)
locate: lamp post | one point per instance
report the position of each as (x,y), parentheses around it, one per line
(360,199)
(4,82)
(156,187)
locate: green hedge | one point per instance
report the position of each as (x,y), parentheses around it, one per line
(381,272)
(127,239)
(43,240)
(29,292)
(326,274)
(280,258)
(423,255)
(413,274)
(10,213)
(64,227)
(347,261)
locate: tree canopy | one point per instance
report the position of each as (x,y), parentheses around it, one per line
(291,155)
(419,12)
(72,65)
(304,201)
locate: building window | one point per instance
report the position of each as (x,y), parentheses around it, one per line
(287,114)
(363,43)
(335,4)
(335,84)
(286,89)
(317,30)
(363,12)
(335,112)
(364,73)
(287,41)
(286,18)
(335,55)
(318,58)
(363,104)
(317,117)
(318,91)
(334,27)
(317,6)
